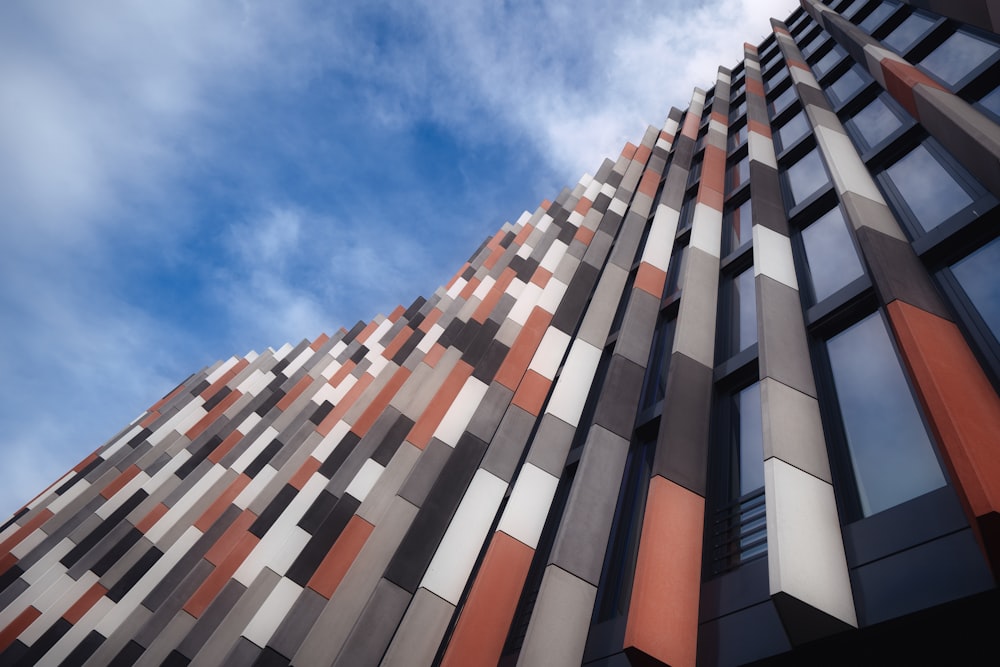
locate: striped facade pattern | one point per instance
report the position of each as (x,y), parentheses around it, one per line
(529,466)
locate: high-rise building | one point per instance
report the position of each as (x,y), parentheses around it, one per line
(731,399)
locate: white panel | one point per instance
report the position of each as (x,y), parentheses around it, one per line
(27,544)
(365,480)
(524,250)
(549,353)
(455,557)
(552,295)
(543,222)
(69,592)
(278,550)
(255,486)
(723,77)
(574,383)
(69,495)
(221,370)
(185,503)
(663,144)
(484,287)
(37,572)
(456,288)
(255,382)
(255,448)
(618,206)
(805,550)
(176,422)
(331,440)
(575,219)
(525,303)
(716,126)
(343,387)
(297,363)
(551,259)
(372,342)
(272,612)
(431,337)
(706,229)
(249,423)
(670,126)
(457,418)
(164,473)
(529,502)
(282,351)
(762,150)
(120,496)
(117,615)
(118,444)
(800,76)
(593,189)
(849,172)
(521,220)
(661,237)
(69,641)
(751,65)
(772,256)
(324,393)
(378,364)
(516,288)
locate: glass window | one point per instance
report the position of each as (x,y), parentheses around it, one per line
(806,176)
(811,47)
(738,89)
(848,85)
(695,173)
(738,109)
(908,32)
(853,8)
(748,441)
(928,189)
(782,101)
(991,103)
(737,174)
(659,362)
(743,312)
(737,137)
(675,271)
(796,128)
(892,456)
(878,15)
(776,77)
(687,212)
(737,226)
(977,276)
(958,56)
(830,255)
(873,124)
(828,62)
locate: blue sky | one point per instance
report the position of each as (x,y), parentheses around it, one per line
(184,181)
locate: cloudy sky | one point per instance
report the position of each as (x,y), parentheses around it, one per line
(183,181)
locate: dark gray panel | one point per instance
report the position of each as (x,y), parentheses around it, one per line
(784,352)
(682,443)
(636,334)
(211,618)
(768,209)
(425,472)
(619,399)
(550,445)
(297,622)
(898,274)
(490,411)
(373,631)
(508,444)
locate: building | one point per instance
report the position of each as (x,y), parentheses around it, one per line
(731,399)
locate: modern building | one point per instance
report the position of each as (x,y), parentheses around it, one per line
(731,399)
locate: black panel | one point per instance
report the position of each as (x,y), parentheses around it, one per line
(273,510)
(200,387)
(116,552)
(134,574)
(507,239)
(321,412)
(571,307)
(682,444)
(339,455)
(270,658)
(480,342)
(319,544)
(318,511)
(102,529)
(392,440)
(175,659)
(620,397)
(218,398)
(128,656)
(359,354)
(139,437)
(410,344)
(488,365)
(270,402)
(468,273)
(566,233)
(447,338)
(898,273)
(280,366)
(353,333)
(17,515)
(41,645)
(84,650)
(198,456)
(414,554)
(263,458)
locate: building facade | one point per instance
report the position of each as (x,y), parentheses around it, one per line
(732,399)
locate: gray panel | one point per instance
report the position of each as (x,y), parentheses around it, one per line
(207,623)
(768,209)
(119,638)
(560,621)
(377,502)
(619,399)
(508,444)
(636,334)
(245,652)
(166,640)
(603,306)
(583,533)
(793,431)
(898,273)
(490,411)
(426,472)
(682,443)
(551,444)
(215,649)
(623,254)
(297,622)
(419,635)
(375,627)
(784,352)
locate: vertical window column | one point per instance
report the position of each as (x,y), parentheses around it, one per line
(663,613)
(807,566)
(963,408)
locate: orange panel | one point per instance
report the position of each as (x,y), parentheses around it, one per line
(149,419)
(428,422)
(649,183)
(718,118)
(523,235)
(214,388)
(523,349)
(367,331)
(381,400)
(319,342)
(485,618)
(962,406)
(396,313)
(160,403)
(115,485)
(629,150)
(86,462)
(154,515)
(493,257)
(430,320)
(215,510)
(225,446)
(669,138)
(17,626)
(213,414)
(531,392)
(458,275)
(541,277)
(755,87)
(545,205)
(27,529)
(7,561)
(227,542)
(83,605)
(340,557)
(583,206)
(690,127)
(650,279)
(294,392)
(394,346)
(485,308)
(900,78)
(584,235)
(342,373)
(352,394)
(663,614)
(220,576)
(469,288)
(642,154)
(434,355)
(304,472)
(759,128)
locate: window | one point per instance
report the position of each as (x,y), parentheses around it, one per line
(738,88)
(737,227)
(737,174)
(830,257)
(655,386)
(737,137)
(877,16)
(739,108)
(695,172)
(675,272)
(789,133)
(874,123)
(990,103)
(806,177)
(782,101)
(812,42)
(927,189)
(687,212)
(957,57)
(908,33)
(748,441)
(742,312)
(853,8)
(775,77)
(891,454)
(825,64)
(848,85)
(977,276)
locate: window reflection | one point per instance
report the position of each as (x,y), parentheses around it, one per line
(782,101)
(737,174)
(748,441)
(806,176)
(853,8)
(977,276)
(828,62)
(991,103)
(659,362)
(738,109)
(892,457)
(743,312)
(737,226)
(908,32)
(737,137)
(776,78)
(830,255)
(958,56)
(796,128)
(880,14)
(875,123)
(928,189)
(811,47)
(849,83)
(675,272)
